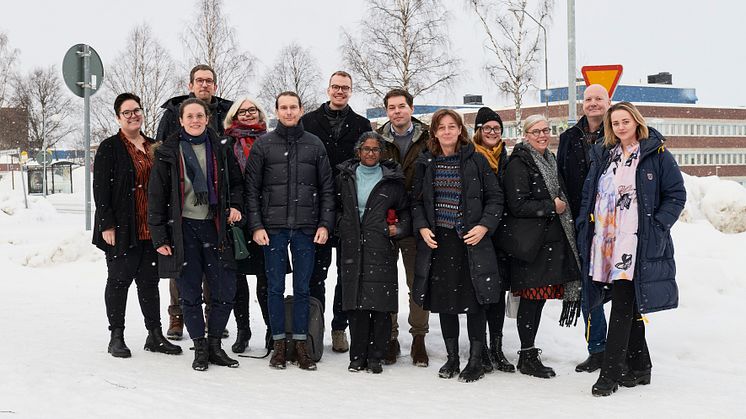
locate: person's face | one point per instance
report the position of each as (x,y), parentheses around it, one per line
(288,110)
(194,119)
(399,112)
(370,152)
(247,113)
(130,116)
(490,133)
(538,136)
(624,126)
(595,101)
(203,86)
(447,132)
(339,91)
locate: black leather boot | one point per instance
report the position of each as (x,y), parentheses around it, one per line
(117,347)
(498,358)
(217,355)
(156,342)
(201,356)
(486,358)
(242,341)
(604,386)
(451,367)
(473,370)
(529,363)
(592,363)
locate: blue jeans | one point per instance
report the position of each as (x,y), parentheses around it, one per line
(596,336)
(275,262)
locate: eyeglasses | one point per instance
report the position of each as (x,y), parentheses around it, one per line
(131,113)
(208,82)
(249,111)
(491,130)
(537,132)
(336,88)
(369,150)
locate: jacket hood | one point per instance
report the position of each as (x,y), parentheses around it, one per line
(174,102)
(391,169)
(418,126)
(465,151)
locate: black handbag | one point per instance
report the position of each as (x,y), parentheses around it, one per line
(521,238)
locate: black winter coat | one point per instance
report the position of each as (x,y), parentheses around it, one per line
(170,124)
(289,182)
(113,193)
(660,199)
(481,204)
(530,206)
(368,272)
(338,150)
(573,161)
(166,197)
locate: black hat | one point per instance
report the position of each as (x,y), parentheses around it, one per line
(485,115)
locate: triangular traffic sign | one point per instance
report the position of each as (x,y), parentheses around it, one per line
(606,75)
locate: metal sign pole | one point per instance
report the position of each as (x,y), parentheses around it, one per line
(86,54)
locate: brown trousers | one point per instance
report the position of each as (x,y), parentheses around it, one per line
(418,318)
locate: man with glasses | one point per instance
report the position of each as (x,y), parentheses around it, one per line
(407,139)
(202,85)
(339,128)
(573,164)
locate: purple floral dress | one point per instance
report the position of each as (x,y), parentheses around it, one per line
(614,247)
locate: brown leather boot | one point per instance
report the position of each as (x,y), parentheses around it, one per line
(419,352)
(301,356)
(278,356)
(392,352)
(175,323)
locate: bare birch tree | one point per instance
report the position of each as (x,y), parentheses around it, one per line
(402,44)
(294,69)
(210,39)
(8,58)
(513,47)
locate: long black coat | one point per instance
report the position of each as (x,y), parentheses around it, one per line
(368,269)
(573,161)
(527,198)
(170,124)
(113,192)
(481,204)
(166,198)
(289,182)
(660,199)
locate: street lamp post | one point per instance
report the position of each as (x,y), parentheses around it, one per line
(546,64)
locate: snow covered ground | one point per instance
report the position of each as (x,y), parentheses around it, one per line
(53,359)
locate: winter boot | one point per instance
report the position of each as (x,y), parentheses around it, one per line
(529,363)
(339,341)
(156,342)
(592,363)
(301,356)
(242,341)
(474,369)
(486,358)
(357,365)
(632,378)
(392,352)
(201,355)
(374,366)
(604,386)
(218,355)
(419,352)
(117,347)
(278,357)
(451,367)
(175,324)
(498,358)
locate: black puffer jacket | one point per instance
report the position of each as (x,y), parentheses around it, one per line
(170,124)
(573,161)
(481,204)
(368,269)
(166,197)
(113,192)
(289,182)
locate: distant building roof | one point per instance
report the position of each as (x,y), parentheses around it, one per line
(650,93)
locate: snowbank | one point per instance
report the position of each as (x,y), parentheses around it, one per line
(721,202)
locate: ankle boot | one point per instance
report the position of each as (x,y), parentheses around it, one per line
(473,370)
(486,358)
(419,351)
(242,341)
(392,351)
(201,355)
(156,342)
(278,359)
(604,386)
(498,358)
(451,367)
(217,355)
(302,358)
(592,363)
(117,347)
(175,323)
(529,363)
(631,378)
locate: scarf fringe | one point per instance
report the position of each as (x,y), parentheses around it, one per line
(570,313)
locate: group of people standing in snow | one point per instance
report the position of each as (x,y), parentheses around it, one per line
(471,221)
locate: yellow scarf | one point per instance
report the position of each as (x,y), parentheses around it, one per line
(493,156)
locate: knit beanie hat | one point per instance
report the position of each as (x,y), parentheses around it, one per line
(485,115)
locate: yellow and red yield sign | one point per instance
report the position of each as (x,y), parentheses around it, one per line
(606,75)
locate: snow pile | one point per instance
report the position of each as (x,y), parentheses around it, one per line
(721,202)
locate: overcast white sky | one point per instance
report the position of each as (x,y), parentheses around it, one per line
(699,42)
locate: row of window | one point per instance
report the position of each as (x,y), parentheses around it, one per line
(714,157)
(668,128)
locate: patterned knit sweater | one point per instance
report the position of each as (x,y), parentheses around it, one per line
(447,188)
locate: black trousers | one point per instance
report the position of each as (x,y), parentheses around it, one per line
(475,324)
(317,284)
(528,319)
(496,316)
(138,264)
(241,305)
(369,334)
(626,346)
